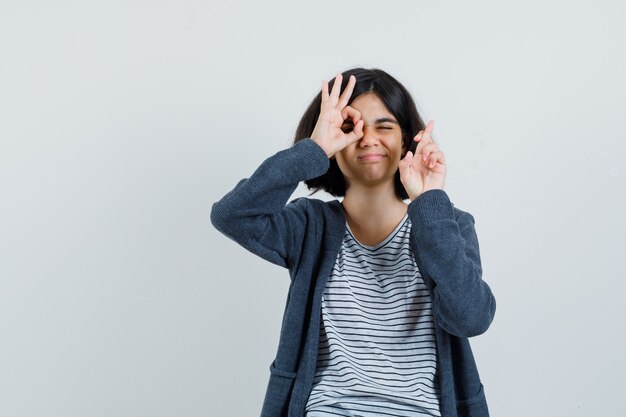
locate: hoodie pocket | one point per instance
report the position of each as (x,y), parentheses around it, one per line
(278,392)
(274,370)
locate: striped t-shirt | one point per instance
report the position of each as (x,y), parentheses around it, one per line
(377,351)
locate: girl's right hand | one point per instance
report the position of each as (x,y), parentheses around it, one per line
(334,110)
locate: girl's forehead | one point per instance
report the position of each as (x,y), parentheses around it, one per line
(370,103)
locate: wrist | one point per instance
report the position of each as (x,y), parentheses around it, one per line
(328,154)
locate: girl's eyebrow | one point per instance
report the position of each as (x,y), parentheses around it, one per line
(385,119)
(377,121)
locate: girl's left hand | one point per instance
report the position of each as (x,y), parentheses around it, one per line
(426,170)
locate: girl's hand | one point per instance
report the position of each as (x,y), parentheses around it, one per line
(426,170)
(334,110)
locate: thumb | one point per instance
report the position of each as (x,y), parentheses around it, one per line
(405,166)
(407,160)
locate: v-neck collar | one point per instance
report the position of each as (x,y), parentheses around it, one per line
(385,240)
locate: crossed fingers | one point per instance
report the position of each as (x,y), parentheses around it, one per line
(429,150)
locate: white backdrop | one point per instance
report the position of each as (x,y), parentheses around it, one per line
(121,122)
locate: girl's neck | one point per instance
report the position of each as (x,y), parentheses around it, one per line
(373,209)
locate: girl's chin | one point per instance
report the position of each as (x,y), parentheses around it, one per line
(371,179)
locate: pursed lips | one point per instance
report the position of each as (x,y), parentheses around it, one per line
(371,157)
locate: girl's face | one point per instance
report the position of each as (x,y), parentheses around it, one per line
(374,158)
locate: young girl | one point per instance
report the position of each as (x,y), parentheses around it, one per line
(384,294)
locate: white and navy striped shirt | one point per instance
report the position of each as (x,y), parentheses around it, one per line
(377,351)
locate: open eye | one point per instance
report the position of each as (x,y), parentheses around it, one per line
(347,127)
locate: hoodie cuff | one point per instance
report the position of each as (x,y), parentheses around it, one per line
(431,206)
(309,158)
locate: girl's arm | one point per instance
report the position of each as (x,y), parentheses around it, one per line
(448,249)
(255,214)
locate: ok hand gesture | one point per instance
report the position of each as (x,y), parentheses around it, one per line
(334,110)
(426,170)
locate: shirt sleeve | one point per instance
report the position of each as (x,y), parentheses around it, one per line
(448,249)
(255,212)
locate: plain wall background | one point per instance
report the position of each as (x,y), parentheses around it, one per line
(123,121)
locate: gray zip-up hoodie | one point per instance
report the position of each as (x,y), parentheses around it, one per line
(305,236)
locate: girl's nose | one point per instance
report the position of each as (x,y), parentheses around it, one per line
(369,137)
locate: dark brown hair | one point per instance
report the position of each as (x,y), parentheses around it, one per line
(396,99)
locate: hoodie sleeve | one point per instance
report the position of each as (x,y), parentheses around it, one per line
(448,249)
(255,213)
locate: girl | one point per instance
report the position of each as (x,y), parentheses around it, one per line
(384,294)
